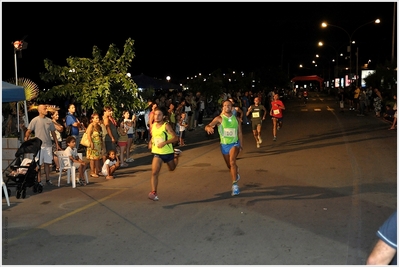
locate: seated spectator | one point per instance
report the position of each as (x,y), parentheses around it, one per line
(77,162)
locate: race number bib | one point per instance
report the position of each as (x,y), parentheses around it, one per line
(255,114)
(276,111)
(158,140)
(229,132)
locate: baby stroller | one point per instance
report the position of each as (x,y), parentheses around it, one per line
(22,172)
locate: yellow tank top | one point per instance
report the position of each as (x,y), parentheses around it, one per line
(160,135)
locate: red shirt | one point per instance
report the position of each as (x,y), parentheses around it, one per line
(277,112)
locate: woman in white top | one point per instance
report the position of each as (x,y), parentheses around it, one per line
(130,126)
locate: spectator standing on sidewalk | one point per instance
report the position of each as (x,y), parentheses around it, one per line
(201,111)
(245,106)
(58,130)
(377,102)
(231,141)
(94,152)
(43,128)
(161,145)
(71,120)
(258,112)
(130,125)
(362,103)
(111,137)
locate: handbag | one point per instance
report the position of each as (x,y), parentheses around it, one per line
(85,141)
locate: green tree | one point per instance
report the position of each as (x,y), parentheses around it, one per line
(96,82)
(384,76)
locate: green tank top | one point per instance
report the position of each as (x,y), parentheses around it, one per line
(228,129)
(160,135)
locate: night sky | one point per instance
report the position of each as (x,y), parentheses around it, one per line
(184,39)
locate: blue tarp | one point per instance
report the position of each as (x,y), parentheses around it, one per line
(12,92)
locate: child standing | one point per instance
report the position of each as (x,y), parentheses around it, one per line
(110,165)
(182,128)
(77,162)
(130,125)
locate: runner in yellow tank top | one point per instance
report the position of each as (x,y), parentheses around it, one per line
(162,138)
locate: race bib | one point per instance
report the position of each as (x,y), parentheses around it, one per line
(158,140)
(276,111)
(229,132)
(255,114)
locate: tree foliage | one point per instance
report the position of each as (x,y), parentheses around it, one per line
(95,82)
(384,77)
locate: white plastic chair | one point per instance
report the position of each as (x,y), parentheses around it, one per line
(5,191)
(65,164)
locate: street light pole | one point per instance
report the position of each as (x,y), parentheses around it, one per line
(325,24)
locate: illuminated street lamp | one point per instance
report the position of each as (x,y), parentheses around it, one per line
(325,24)
(18,47)
(336,58)
(168,78)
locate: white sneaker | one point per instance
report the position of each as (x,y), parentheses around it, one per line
(260,139)
(177,151)
(258,145)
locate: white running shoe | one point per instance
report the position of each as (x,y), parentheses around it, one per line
(258,145)
(260,139)
(235,190)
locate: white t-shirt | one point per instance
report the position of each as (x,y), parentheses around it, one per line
(104,170)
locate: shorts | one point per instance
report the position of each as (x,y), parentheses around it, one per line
(255,124)
(278,119)
(226,148)
(166,157)
(46,155)
(123,143)
(130,135)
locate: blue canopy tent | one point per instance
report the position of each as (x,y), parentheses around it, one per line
(14,93)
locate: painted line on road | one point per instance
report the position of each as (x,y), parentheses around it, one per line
(44,225)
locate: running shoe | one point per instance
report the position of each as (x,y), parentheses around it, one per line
(257,144)
(129,160)
(275,138)
(235,190)
(177,151)
(49,182)
(153,196)
(123,165)
(260,139)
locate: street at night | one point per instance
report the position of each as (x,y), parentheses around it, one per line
(316,196)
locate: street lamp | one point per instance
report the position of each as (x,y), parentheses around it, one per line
(325,24)
(18,47)
(168,78)
(336,58)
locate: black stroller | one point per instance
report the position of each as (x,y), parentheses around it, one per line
(22,172)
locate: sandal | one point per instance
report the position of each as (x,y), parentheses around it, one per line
(94,175)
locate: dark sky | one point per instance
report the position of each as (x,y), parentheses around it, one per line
(183,39)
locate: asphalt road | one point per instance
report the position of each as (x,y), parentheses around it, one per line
(315,196)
